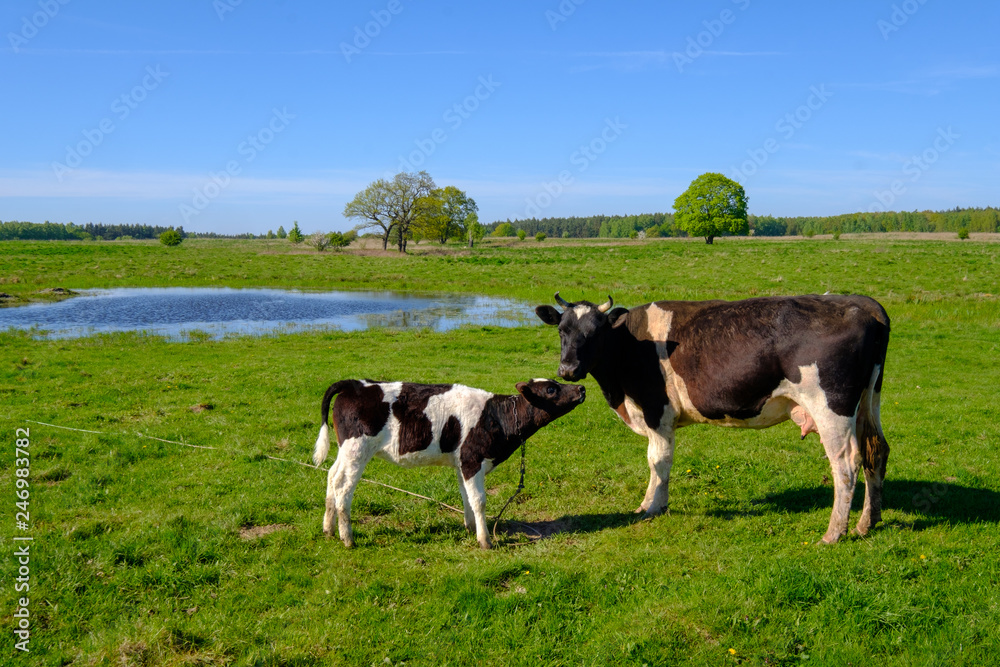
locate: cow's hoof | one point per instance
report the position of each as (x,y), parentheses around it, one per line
(829,539)
(348,543)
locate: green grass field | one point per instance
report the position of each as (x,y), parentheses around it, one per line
(143,552)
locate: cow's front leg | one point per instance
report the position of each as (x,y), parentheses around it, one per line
(660,455)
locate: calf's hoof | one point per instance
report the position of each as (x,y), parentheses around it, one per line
(830,538)
(349,543)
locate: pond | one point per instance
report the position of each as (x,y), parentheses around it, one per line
(179,313)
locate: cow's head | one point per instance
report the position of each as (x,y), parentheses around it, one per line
(583,330)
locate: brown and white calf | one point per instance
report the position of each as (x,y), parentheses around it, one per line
(410,424)
(817,360)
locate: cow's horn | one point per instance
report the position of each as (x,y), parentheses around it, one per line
(562,302)
(605,307)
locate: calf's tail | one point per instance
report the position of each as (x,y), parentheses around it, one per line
(322,448)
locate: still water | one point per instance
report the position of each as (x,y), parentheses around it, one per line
(177,312)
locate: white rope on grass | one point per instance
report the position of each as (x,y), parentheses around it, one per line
(273,458)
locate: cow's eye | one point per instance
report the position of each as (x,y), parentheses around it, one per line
(551,391)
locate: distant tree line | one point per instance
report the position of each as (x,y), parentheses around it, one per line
(970,219)
(594,226)
(53,231)
(662,224)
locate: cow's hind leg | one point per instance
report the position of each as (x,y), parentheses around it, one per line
(354,455)
(841,444)
(660,455)
(874,456)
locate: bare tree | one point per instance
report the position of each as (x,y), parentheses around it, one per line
(392,206)
(371,207)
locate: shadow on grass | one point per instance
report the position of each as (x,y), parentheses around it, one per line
(935,502)
(574,523)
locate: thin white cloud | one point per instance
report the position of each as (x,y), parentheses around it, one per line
(90,183)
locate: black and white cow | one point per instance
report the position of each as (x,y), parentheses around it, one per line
(469,429)
(817,360)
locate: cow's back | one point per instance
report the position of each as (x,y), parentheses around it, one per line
(730,356)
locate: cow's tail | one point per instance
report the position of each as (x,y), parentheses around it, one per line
(322,448)
(871,439)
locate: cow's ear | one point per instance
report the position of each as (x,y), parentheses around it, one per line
(615,315)
(521,386)
(549,315)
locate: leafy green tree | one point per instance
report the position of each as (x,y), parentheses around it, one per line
(473,230)
(270,234)
(540,236)
(503,229)
(446,210)
(296,235)
(712,205)
(282,233)
(521,234)
(171,237)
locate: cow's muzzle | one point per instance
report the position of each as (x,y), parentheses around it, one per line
(571,374)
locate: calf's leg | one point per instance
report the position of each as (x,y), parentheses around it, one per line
(470,516)
(354,455)
(475,492)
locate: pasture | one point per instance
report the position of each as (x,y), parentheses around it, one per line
(149,552)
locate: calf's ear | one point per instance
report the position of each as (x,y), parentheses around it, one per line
(521,386)
(549,315)
(616,314)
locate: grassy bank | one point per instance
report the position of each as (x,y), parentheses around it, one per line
(144,551)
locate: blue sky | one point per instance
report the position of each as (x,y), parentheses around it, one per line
(235,116)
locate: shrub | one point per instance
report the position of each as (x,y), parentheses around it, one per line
(318,240)
(521,234)
(296,236)
(540,236)
(836,235)
(963,233)
(171,237)
(565,235)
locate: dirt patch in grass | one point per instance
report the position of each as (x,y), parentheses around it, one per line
(254,532)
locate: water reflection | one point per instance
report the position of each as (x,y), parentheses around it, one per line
(178,312)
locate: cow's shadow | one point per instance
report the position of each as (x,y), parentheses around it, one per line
(930,503)
(570,523)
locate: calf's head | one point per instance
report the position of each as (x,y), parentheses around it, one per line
(552,398)
(583,329)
